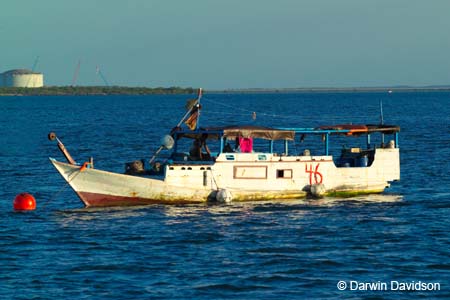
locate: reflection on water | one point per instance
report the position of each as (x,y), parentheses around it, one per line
(296,249)
(361,199)
(222,215)
(182,213)
(68,217)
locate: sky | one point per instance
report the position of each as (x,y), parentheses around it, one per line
(221,44)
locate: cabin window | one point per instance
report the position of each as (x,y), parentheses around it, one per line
(262,157)
(284,173)
(229,157)
(250,172)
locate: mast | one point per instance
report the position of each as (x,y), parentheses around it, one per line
(200,92)
(196,105)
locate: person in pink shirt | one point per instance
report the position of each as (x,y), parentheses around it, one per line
(246,144)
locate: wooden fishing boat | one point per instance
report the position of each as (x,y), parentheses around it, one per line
(241,163)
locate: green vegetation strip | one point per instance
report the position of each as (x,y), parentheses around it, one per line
(93,90)
(349,194)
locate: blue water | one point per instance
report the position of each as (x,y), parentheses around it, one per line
(298,249)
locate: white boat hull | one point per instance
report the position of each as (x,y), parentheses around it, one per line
(248,176)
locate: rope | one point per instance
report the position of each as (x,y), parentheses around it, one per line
(63,187)
(214,179)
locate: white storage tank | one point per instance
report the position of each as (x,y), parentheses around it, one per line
(22,78)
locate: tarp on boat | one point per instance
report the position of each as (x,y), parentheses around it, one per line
(232,132)
(258,132)
(354,129)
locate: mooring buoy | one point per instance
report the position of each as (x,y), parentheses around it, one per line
(24,201)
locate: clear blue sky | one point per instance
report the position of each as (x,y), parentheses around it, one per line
(230,43)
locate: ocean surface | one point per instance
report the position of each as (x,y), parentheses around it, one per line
(298,249)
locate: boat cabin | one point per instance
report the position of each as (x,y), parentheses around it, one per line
(207,145)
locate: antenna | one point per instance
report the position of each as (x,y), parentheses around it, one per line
(102,76)
(381,122)
(75,75)
(35,63)
(32,69)
(381,113)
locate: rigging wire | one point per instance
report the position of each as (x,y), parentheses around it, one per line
(290,118)
(242,109)
(239,111)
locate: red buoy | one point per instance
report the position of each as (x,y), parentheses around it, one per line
(24,201)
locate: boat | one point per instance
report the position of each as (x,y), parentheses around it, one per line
(241,163)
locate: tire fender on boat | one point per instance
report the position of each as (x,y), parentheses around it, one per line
(224,196)
(318,190)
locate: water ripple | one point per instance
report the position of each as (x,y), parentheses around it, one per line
(295,249)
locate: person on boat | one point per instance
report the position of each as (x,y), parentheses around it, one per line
(196,153)
(244,145)
(228,148)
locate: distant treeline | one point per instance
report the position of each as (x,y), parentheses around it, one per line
(93,90)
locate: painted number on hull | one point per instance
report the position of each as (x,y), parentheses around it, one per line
(314,172)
